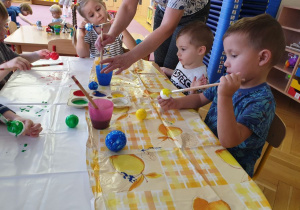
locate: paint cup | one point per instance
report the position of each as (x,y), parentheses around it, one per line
(101,117)
(57,29)
(103,79)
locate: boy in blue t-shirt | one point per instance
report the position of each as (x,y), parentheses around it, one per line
(243,106)
(14,11)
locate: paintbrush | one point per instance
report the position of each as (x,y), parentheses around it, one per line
(195,88)
(39,65)
(84,92)
(101,53)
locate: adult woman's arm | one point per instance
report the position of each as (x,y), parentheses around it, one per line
(151,43)
(125,15)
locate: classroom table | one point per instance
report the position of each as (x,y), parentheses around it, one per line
(29,38)
(171,159)
(48,172)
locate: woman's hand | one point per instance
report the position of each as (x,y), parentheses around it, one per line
(107,39)
(120,62)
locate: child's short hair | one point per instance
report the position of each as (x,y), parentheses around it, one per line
(3,12)
(200,34)
(55,8)
(26,7)
(263,32)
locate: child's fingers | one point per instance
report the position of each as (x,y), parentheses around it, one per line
(195,79)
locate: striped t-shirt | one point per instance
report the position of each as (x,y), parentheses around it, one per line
(109,50)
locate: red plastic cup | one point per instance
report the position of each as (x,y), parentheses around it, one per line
(101,117)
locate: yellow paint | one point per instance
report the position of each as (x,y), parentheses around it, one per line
(117,95)
(166,92)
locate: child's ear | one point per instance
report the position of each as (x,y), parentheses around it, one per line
(264,57)
(201,50)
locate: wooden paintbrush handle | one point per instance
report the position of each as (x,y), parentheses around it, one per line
(195,88)
(84,92)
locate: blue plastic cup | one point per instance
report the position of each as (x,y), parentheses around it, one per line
(103,79)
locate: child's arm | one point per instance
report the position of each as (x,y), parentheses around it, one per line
(34,56)
(82,48)
(166,71)
(31,129)
(128,40)
(17,62)
(24,19)
(193,101)
(230,132)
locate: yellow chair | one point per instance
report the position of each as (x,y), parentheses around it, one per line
(63,47)
(276,135)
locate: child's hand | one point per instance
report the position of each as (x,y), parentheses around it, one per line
(199,82)
(31,129)
(166,71)
(229,84)
(166,104)
(19,63)
(43,54)
(82,26)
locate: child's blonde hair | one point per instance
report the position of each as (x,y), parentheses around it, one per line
(26,8)
(3,12)
(263,32)
(55,8)
(79,6)
(200,34)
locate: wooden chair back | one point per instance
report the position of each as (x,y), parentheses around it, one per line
(63,47)
(276,135)
(12,27)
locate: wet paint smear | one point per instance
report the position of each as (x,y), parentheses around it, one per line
(79,102)
(78,93)
(117,95)
(98,94)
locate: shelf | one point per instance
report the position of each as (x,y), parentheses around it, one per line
(291,29)
(289,17)
(277,80)
(291,36)
(281,64)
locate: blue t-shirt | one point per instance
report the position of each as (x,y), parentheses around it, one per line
(16,9)
(254,108)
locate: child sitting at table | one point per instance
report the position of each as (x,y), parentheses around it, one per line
(14,11)
(31,129)
(193,41)
(94,11)
(10,59)
(56,13)
(243,106)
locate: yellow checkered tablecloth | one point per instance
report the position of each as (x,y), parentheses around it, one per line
(171,161)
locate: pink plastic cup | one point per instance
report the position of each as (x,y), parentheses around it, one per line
(101,117)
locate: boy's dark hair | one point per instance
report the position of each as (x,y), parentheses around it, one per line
(200,34)
(26,7)
(263,32)
(3,12)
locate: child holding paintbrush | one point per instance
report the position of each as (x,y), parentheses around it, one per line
(243,106)
(10,59)
(94,12)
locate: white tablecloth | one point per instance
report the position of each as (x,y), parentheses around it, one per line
(48,172)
